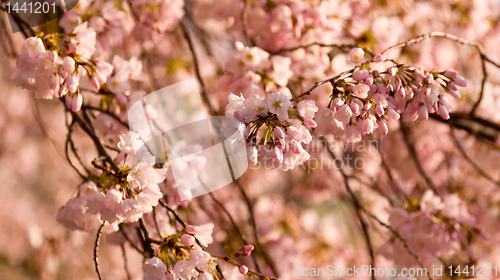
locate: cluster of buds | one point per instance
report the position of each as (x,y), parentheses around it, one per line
(365,99)
(270,132)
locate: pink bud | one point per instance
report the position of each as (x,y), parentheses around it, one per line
(460,81)
(423,113)
(192,229)
(369,81)
(295,147)
(392,115)
(379,58)
(310,123)
(280,143)
(450,73)
(62,91)
(276,154)
(187,239)
(360,74)
(455,94)
(293,132)
(401,91)
(379,109)
(382,126)
(68,64)
(367,106)
(72,47)
(392,71)
(367,126)
(237,255)
(72,83)
(74,103)
(337,102)
(452,86)
(243,269)
(95,83)
(278,132)
(97,171)
(443,112)
(247,249)
(53,56)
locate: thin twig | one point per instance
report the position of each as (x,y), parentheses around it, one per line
(124,254)
(96,247)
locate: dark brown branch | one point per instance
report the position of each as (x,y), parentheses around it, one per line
(177,218)
(125,266)
(97,142)
(88,107)
(147,241)
(96,247)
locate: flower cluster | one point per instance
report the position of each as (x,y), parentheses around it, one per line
(436,229)
(118,200)
(186,259)
(53,65)
(365,99)
(269,130)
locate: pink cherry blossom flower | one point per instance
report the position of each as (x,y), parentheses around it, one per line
(279,105)
(185,269)
(187,239)
(204,234)
(356,55)
(154,269)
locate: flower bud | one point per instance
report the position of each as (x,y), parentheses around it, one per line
(443,112)
(280,143)
(191,229)
(53,56)
(247,249)
(337,102)
(423,113)
(379,58)
(459,81)
(293,132)
(295,147)
(278,132)
(392,71)
(382,126)
(392,115)
(276,154)
(454,94)
(450,73)
(188,239)
(72,83)
(452,86)
(360,74)
(379,109)
(97,171)
(243,269)
(401,92)
(68,64)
